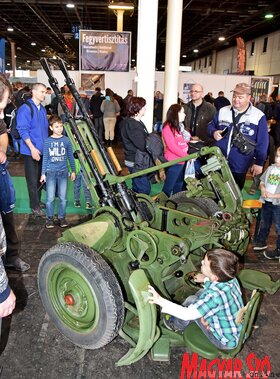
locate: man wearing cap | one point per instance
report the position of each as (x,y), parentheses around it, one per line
(251,123)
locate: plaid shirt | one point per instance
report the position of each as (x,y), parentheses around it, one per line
(219,303)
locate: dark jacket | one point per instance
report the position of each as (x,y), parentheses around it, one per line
(95,103)
(197,119)
(220,102)
(134,135)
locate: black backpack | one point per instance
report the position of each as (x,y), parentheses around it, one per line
(155,147)
(13,124)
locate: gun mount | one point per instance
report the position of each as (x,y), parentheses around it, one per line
(93,283)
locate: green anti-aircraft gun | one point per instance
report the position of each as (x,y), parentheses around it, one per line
(93,283)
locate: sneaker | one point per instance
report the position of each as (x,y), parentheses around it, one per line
(272,254)
(37,212)
(88,206)
(62,223)
(169,323)
(17,264)
(77,204)
(49,223)
(259,246)
(42,205)
(252,191)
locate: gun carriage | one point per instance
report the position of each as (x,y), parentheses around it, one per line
(93,283)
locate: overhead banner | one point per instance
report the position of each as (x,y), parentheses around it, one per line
(2,55)
(104,50)
(241,55)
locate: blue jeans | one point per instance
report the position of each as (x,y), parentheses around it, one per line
(79,181)
(99,127)
(270,214)
(56,183)
(174,181)
(141,184)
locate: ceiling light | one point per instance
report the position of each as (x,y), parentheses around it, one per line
(121,5)
(28,61)
(43,50)
(70,5)
(221,38)
(184,56)
(8,64)
(33,43)
(269,15)
(195,50)
(10,29)
(19,67)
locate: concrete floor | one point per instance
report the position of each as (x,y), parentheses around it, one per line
(32,347)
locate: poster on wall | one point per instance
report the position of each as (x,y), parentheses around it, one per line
(90,81)
(260,86)
(104,50)
(187,92)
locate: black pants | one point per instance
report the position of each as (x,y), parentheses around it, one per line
(33,170)
(240,179)
(11,237)
(99,127)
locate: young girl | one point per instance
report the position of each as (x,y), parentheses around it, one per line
(176,140)
(57,149)
(213,308)
(270,197)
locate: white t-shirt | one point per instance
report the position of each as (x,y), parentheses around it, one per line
(273,181)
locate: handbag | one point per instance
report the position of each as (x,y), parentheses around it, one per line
(7,191)
(244,144)
(194,147)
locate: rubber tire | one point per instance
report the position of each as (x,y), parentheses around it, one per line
(101,282)
(197,206)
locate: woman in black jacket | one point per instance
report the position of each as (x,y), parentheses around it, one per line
(134,135)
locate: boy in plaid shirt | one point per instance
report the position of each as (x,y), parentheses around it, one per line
(213,308)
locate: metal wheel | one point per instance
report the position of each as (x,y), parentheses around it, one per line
(81,294)
(197,206)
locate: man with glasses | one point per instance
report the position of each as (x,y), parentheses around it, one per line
(198,114)
(241,122)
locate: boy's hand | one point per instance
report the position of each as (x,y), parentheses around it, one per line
(199,278)
(73,176)
(7,307)
(43,179)
(205,323)
(155,298)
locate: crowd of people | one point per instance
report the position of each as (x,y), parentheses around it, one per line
(239,128)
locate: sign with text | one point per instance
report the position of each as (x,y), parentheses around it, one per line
(104,50)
